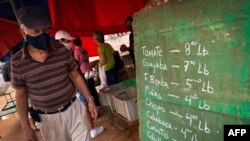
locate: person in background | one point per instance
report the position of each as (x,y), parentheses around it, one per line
(106,57)
(6,67)
(130,49)
(82,57)
(65,39)
(48,76)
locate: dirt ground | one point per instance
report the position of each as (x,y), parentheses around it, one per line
(10,128)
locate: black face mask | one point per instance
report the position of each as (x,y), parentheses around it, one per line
(41,42)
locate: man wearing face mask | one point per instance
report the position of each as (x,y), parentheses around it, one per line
(49,77)
(64,38)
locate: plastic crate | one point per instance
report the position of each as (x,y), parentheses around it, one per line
(105,96)
(126,103)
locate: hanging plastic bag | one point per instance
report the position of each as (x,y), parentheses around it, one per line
(102,77)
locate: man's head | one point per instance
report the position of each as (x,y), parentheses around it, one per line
(98,37)
(34,25)
(128,21)
(78,42)
(65,38)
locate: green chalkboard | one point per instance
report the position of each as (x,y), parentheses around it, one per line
(192,69)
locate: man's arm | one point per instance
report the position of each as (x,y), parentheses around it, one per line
(22,108)
(77,58)
(81,85)
(102,59)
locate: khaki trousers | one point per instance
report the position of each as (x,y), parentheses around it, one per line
(70,125)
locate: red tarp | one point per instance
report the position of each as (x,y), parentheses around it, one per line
(80,18)
(9,36)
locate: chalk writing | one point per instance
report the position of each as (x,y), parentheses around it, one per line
(152,136)
(203,105)
(186,67)
(153,80)
(175,50)
(158,130)
(174,83)
(155,106)
(158,65)
(192,71)
(175,66)
(206,87)
(189,98)
(194,137)
(158,120)
(153,92)
(204,127)
(172,95)
(191,117)
(155,52)
(185,131)
(176,114)
(201,51)
(202,69)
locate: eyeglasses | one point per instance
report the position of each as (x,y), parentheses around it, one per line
(65,40)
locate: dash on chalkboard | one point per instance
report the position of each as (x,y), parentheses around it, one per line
(176,114)
(173,83)
(172,95)
(176,50)
(175,66)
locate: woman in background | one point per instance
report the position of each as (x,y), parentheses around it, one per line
(106,57)
(82,57)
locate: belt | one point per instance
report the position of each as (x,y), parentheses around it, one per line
(62,109)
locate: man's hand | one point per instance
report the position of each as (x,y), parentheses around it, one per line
(123,48)
(29,134)
(81,85)
(94,63)
(22,108)
(92,109)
